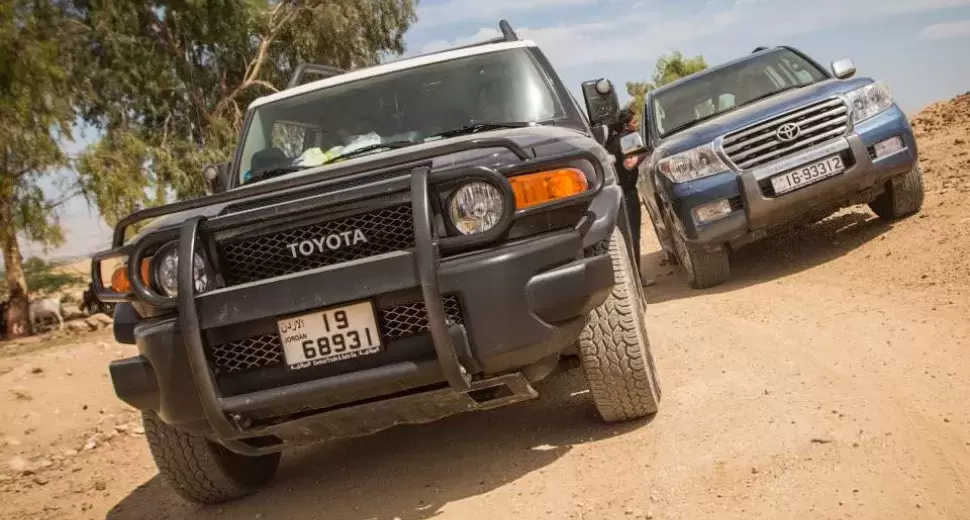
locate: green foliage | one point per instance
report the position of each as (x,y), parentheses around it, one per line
(672,67)
(44,278)
(35,114)
(168,82)
(669,68)
(638,94)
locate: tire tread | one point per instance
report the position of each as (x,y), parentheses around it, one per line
(710,268)
(614,349)
(200,470)
(903,196)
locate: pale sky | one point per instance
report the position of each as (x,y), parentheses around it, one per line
(921,48)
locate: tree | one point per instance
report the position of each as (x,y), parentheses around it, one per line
(669,68)
(35,114)
(672,67)
(167,82)
(46,277)
(638,95)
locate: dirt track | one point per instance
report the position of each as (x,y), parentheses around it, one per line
(830,379)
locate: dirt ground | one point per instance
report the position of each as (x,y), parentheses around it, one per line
(829,379)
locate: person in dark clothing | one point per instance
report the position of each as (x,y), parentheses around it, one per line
(627,170)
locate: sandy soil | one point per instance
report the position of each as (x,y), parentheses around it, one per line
(829,379)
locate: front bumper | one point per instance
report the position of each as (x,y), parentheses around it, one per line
(522,303)
(758,213)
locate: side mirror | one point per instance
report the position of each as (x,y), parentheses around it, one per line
(632,144)
(844,68)
(217,177)
(602,103)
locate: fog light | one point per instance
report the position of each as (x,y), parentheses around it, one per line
(712,210)
(889,146)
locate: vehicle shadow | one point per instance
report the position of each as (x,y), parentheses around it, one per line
(407,473)
(775,257)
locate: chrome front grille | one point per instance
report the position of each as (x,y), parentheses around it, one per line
(768,141)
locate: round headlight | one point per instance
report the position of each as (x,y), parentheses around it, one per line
(476,207)
(166,273)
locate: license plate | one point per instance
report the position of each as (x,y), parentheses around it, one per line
(329,335)
(808,174)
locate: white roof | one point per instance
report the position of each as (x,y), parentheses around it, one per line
(393,66)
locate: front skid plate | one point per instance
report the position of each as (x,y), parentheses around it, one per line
(369,418)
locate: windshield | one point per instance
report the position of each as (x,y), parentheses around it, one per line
(395,109)
(716,92)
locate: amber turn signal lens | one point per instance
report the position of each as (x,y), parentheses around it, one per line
(538,188)
(119,279)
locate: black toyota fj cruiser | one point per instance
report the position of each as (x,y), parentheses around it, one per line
(389,245)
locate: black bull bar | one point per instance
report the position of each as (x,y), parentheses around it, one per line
(414,176)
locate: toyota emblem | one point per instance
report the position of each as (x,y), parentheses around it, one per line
(788,132)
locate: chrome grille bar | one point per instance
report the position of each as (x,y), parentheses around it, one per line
(835,112)
(783,119)
(759,144)
(799,145)
(806,131)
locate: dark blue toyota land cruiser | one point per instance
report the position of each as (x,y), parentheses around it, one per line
(756,145)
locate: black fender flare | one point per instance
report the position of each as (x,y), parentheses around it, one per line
(602,215)
(125,319)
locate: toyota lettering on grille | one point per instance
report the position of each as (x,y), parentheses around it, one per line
(788,132)
(330,242)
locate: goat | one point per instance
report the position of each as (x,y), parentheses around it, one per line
(46,307)
(92,305)
(89,302)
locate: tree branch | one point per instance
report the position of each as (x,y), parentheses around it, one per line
(251,76)
(174,45)
(263,83)
(168,118)
(64,198)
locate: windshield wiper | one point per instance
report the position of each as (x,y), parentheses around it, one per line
(274,172)
(479,126)
(698,121)
(371,147)
(774,93)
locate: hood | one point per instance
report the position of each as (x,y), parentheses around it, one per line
(538,141)
(766,108)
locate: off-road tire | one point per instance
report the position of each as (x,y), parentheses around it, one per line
(703,268)
(903,196)
(614,350)
(202,471)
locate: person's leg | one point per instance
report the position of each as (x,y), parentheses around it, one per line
(634,214)
(632,202)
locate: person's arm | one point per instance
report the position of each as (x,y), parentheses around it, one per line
(632,161)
